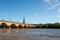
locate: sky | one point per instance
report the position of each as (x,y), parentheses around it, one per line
(34,11)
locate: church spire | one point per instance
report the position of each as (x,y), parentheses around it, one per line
(23,20)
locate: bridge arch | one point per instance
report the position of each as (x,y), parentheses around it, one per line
(4,25)
(20,26)
(29,26)
(25,26)
(13,26)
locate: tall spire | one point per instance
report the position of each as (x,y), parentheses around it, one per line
(23,20)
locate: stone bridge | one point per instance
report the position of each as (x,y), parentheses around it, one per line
(9,23)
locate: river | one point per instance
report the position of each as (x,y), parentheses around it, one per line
(29,34)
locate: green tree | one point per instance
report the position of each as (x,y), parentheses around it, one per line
(57,25)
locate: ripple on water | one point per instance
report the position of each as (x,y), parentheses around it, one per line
(30,34)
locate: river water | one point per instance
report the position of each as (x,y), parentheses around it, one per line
(29,34)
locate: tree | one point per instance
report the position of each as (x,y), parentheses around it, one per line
(40,25)
(50,25)
(57,25)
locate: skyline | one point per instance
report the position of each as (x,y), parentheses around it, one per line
(34,11)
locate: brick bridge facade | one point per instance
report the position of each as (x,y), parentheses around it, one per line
(9,23)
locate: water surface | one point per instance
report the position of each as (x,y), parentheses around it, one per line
(29,34)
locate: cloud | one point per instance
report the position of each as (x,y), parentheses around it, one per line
(52,3)
(53,6)
(47,0)
(55,3)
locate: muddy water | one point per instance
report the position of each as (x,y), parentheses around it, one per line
(29,34)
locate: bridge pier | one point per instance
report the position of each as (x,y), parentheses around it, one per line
(9,27)
(17,27)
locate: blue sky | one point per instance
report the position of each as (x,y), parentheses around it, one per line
(34,11)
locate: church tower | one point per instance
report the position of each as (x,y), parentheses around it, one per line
(23,20)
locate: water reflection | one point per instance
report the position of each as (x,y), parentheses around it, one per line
(29,34)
